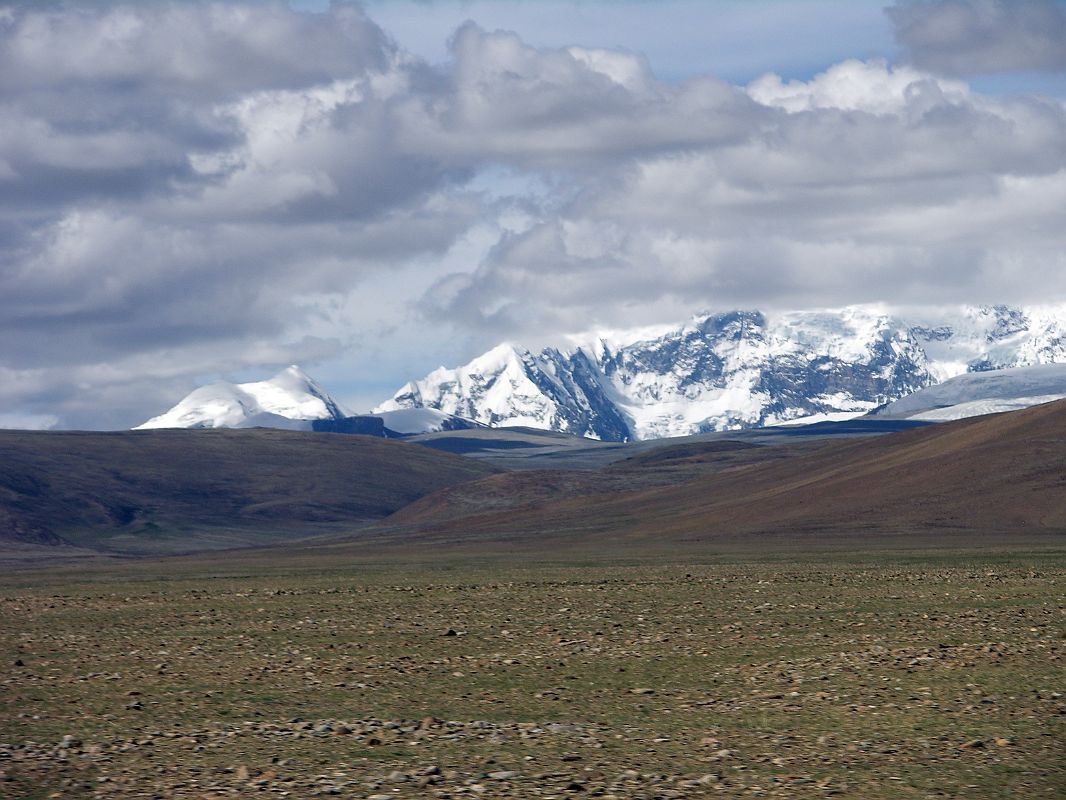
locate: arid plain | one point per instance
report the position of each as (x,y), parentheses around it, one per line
(871,617)
(906,675)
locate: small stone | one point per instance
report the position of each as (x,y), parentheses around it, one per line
(451,632)
(642,691)
(503,775)
(398,777)
(973,744)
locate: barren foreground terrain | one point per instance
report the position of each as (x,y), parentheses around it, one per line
(882,678)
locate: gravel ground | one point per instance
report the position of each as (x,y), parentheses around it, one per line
(802,680)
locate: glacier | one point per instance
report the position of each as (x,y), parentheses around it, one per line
(977,393)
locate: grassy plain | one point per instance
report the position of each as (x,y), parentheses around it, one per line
(883,676)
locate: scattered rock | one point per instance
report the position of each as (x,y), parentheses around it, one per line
(504,775)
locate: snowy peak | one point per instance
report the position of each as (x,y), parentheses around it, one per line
(292,400)
(511,386)
(736,369)
(294,394)
(290,395)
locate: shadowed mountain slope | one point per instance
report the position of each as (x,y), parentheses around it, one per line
(183,490)
(1004,472)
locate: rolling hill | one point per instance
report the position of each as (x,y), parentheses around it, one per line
(185,490)
(1004,473)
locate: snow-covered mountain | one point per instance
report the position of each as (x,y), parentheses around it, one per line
(977,393)
(289,396)
(292,400)
(736,370)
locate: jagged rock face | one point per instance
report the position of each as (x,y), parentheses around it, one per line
(739,369)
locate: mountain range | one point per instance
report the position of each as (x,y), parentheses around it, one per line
(736,370)
(716,372)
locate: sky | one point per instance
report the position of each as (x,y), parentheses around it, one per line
(201,191)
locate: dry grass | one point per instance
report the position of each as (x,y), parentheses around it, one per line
(881,678)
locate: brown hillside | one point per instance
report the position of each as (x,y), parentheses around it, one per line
(1005,472)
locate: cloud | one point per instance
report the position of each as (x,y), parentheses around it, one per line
(503,101)
(982,36)
(31,422)
(176,179)
(866,183)
(195,190)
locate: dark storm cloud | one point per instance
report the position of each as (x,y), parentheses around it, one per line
(972,37)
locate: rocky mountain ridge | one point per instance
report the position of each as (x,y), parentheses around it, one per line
(734,370)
